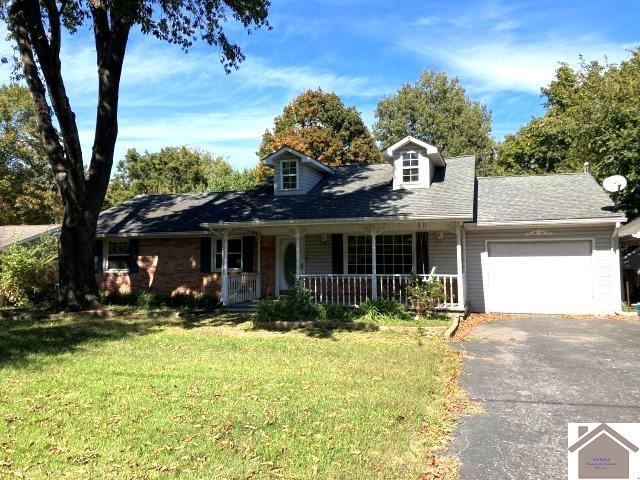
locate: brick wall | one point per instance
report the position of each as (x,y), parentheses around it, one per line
(167,265)
(172,265)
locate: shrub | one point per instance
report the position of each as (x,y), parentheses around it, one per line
(373,310)
(297,305)
(152,300)
(25,271)
(424,295)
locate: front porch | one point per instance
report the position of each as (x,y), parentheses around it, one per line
(345,265)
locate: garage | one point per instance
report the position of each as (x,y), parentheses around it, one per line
(539,276)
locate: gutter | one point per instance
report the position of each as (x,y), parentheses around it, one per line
(543,223)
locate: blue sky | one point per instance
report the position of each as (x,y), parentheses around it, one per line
(503,52)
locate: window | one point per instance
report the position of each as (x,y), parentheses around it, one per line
(394,254)
(117,257)
(234,257)
(410,170)
(289,174)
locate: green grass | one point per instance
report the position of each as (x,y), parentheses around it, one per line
(112,398)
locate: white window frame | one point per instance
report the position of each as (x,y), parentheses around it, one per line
(105,257)
(214,251)
(345,252)
(288,175)
(411,166)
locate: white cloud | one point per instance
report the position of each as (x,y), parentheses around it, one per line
(498,48)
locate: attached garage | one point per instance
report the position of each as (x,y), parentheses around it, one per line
(540,276)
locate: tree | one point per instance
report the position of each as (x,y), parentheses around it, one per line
(174,170)
(437,110)
(36,26)
(28,193)
(592,115)
(318,124)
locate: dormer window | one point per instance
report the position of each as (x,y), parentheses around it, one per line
(289,174)
(410,170)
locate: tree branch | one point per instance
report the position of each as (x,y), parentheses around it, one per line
(54,27)
(51,70)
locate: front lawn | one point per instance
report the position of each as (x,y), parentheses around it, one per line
(113,398)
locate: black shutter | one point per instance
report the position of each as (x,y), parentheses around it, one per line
(97,255)
(205,254)
(422,252)
(247,254)
(337,256)
(133,256)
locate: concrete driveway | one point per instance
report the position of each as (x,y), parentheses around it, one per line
(532,377)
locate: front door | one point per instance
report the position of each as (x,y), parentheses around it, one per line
(287,264)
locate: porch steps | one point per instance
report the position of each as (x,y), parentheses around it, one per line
(245,307)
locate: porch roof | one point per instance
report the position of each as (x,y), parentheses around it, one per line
(352,192)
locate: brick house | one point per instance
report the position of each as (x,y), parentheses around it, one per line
(507,244)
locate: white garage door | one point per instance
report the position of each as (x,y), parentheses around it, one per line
(540,277)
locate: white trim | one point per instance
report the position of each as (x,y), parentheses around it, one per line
(289,175)
(432,152)
(214,250)
(105,257)
(270,160)
(484,261)
(541,223)
(331,221)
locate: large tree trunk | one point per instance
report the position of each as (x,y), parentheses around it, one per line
(82,192)
(78,288)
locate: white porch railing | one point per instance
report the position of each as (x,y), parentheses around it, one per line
(351,290)
(243,287)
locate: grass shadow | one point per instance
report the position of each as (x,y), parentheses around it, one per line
(20,339)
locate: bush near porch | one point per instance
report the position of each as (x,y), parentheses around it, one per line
(111,398)
(298,305)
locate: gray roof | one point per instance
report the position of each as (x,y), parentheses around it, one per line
(22,233)
(351,192)
(542,197)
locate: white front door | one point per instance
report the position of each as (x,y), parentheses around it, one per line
(539,277)
(286,264)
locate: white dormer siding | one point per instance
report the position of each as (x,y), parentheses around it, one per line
(294,172)
(414,163)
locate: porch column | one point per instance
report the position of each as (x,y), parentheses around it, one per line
(298,254)
(225,275)
(462,299)
(259,279)
(374,282)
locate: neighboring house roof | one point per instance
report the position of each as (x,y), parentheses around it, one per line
(22,233)
(543,197)
(602,429)
(352,192)
(630,233)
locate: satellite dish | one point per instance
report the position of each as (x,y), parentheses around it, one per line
(615,183)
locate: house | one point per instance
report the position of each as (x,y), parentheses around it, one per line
(602,453)
(10,234)
(630,236)
(543,244)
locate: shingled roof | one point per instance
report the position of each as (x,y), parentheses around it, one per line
(352,192)
(542,197)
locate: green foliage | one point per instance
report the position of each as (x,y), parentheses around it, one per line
(174,170)
(26,272)
(592,115)
(298,305)
(150,300)
(28,194)
(424,295)
(437,110)
(375,310)
(318,124)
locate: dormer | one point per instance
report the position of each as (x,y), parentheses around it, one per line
(414,163)
(294,172)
